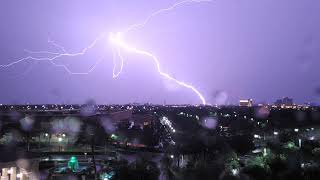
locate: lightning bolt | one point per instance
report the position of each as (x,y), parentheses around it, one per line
(56,55)
(116,39)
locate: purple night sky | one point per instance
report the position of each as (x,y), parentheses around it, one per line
(227,49)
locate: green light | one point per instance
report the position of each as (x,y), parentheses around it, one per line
(290,145)
(114,137)
(107,176)
(73,164)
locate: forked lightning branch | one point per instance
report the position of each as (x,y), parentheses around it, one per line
(119,45)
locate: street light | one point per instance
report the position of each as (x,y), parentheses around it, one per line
(300,143)
(265,152)
(256,136)
(311,138)
(235,172)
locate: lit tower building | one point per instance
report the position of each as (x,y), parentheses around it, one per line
(246,103)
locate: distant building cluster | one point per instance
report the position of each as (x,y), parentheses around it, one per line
(284,102)
(287,103)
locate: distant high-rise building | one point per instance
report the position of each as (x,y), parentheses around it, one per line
(246,103)
(278,102)
(285,101)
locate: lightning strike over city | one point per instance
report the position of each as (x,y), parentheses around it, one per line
(159,90)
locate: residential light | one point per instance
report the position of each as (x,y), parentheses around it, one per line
(311,138)
(235,172)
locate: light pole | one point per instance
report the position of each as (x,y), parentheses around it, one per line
(60,141)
